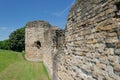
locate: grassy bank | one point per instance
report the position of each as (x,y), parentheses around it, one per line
(14,67)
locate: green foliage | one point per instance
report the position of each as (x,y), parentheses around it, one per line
(23,54)
(17,40)
(78,0)
(4,44)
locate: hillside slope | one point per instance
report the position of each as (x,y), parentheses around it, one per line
(14,67)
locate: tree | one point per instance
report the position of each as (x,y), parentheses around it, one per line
(4,44)
(17,40)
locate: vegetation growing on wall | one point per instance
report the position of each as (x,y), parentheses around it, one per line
(78,0)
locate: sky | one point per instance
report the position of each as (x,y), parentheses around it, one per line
(15,14)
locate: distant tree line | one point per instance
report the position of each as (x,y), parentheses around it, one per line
(16,41)
(4,44)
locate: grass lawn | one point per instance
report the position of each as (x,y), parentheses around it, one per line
(14,67)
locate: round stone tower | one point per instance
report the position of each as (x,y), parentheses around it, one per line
(34,40)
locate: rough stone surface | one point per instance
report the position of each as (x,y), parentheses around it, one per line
(92,41)
(42,41)
(34,40)
(90,47)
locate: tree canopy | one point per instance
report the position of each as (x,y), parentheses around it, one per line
(17,40)
(4,44)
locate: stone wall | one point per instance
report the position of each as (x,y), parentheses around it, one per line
(90,47)
(50,48)
(34,40)
(41,43)
(54,39)
(92,42)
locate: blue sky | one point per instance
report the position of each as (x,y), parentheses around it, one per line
(16,13)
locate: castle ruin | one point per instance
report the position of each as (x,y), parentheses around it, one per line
(89,47)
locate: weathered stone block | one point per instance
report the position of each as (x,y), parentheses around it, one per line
(111,34)
(91,41)
(117,68)
(104,60)
(100,28)
(111,73)
(117,51)
(118,32)
(118,45)
(112,39)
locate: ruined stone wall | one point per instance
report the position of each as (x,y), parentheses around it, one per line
(92,42)
(90,48)
(57,58)
(50,48)
(34,40)
(41,43)
(47,58)
(54,39)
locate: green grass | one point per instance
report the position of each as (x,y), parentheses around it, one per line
(6,58)
(14,67)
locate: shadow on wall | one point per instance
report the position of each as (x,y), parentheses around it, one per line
(56,64)
(117,12)
(60,36)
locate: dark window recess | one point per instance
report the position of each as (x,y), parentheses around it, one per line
(38,44)
(118,6)
(117,13)
(110,45)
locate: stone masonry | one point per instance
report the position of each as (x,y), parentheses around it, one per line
(89,47)
(41,42)
(34,39)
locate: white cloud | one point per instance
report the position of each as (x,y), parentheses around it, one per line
(6,29)
(3,28)
(60,13)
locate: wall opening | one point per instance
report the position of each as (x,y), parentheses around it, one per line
(37,44)
(117,12)
(118,6)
